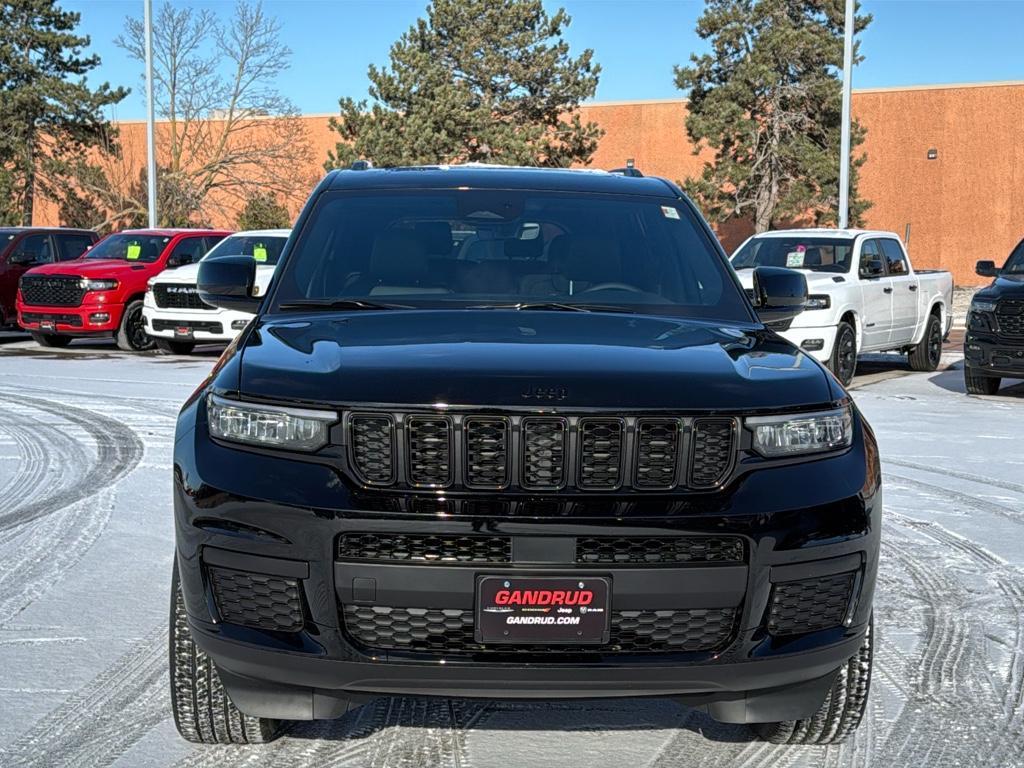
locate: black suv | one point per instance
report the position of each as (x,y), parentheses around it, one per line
(517,433)
(994,344)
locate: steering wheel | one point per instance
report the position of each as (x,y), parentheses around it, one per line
(613,287)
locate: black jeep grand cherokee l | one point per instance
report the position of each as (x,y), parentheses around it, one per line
(516,433)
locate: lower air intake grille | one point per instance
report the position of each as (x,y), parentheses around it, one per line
(712,451)
(257,600)
(809,605)
(659,551)
(450,631)
(425,548)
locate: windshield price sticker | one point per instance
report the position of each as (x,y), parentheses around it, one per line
(795,258)
(669,212)
(133,252)
(259,252)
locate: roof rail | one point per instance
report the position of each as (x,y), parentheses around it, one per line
(629,169)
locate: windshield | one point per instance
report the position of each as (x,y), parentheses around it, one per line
(818,254)
(265,249)
(482,248)
(1015,264)
(129,247)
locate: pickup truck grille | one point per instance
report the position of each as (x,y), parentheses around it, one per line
(178,296)
(539,453)
(1010,316)
(52,290)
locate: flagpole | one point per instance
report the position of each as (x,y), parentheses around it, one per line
(150,130)
(844,159)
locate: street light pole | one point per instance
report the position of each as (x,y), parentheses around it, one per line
(150,130)
(844,159)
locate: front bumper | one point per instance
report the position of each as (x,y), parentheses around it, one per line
(986,353)
(281,519)
(816,341)
(87,319)
(194,325)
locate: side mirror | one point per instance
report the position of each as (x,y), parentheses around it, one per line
(227,282)
(779,294)
(986,269)
(873,268)
(24,258)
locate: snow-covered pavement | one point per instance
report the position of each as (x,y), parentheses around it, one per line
(86,542)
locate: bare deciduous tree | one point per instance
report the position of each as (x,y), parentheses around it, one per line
(227,132)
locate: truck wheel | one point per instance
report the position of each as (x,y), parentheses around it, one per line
(50,339)
(203,713)
(843,362)
(842,710)
(131,335)
(168,347)
(979,383)
(928,352)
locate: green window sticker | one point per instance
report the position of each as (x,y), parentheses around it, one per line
(134,251)
(259,252)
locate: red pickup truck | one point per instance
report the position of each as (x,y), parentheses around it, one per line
(101,293)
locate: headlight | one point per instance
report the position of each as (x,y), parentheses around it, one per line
(980,305)
(818,301)
(273,426)
(795,434)
(98,285)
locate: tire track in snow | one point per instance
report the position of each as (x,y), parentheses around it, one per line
(974,478)
(118,451)
(102,720)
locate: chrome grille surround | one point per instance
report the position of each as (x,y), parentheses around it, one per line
(523,451)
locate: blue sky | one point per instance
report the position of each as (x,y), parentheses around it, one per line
(637,42)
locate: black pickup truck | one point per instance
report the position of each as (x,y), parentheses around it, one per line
(994,343)
(517,433)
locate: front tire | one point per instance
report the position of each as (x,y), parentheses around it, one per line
(979,383)
(168,347)
(928,352)
(843,362)
(842,710)
(50,339)
(131,334)
(203,713)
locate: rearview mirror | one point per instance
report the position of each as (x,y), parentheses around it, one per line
(986,269)
(227,282)
(873,268)
(779,294)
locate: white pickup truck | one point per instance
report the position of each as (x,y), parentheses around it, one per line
(865,296)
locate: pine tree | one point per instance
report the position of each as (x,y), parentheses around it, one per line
(475,81)
(263,211)
(48,113)
(767,102)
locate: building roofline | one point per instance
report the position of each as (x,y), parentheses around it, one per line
(943,86)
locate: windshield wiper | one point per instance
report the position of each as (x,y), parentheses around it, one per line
(554,306)
(350,304)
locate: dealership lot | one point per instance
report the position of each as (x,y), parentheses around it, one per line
(86,542)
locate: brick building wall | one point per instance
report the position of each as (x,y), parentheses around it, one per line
(965,205)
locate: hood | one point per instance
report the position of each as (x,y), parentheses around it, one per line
(115,268)
(509,358)
(1003,287)
(817,282)
(190,274)
(185,274)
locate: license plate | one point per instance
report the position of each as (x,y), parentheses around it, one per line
(183,330)
(542,610)
(47,325)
